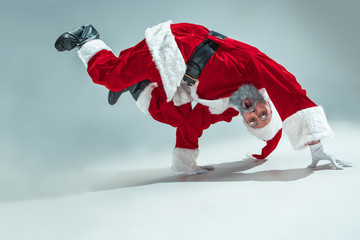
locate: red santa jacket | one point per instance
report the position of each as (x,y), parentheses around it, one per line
(161,57)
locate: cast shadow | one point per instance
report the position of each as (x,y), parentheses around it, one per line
(224,172)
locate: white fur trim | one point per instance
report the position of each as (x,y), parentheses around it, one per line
(182,95)
(166,56)
(89,49)
(269,130)
(217,106)
(184,160)
(143,102)
(307,125)
(264,93)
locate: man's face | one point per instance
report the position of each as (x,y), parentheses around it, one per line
(252,105)
(260,116)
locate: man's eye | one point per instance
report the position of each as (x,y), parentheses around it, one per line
(252,122)
(263,115)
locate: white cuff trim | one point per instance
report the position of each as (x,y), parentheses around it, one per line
(89,49)
(182,95)
(307,125)
(184,160)
(144,99)
(217,106)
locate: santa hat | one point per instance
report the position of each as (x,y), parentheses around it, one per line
(270,133)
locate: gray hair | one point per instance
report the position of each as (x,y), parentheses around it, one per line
(246,91)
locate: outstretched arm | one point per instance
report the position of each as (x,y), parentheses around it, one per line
(303,120)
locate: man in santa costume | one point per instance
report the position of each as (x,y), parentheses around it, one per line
(180,64)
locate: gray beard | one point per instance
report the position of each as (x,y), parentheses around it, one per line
(246,91)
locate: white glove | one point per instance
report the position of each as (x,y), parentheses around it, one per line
(318,153)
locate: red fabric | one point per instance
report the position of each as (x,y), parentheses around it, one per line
(285,92)
(233,64)
(200,118)
(270,146)
(189,122)
(167,112)
(117,73)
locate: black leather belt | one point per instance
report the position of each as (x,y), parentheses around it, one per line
(200,57)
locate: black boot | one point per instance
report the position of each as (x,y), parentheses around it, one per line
(134,90)
(114,96)
(76,38)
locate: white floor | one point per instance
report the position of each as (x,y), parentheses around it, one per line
(241,199)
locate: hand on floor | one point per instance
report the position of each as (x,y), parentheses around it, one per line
(319,153)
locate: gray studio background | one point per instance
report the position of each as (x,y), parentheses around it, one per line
(55,121)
